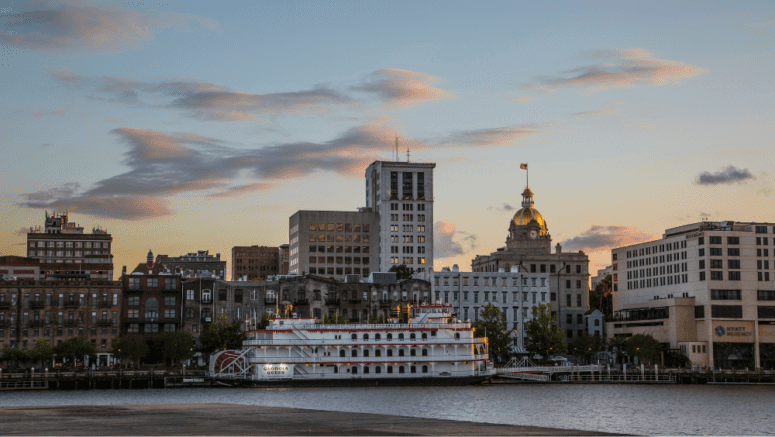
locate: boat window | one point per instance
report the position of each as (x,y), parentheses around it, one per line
(433,333)
(390,352)
(425,352)
(390,369)
(366,353)
(365,336)
(401,336)
(390,336)
(377,337)
(355,353)
(412,336)
(400,369)
(336,370)
(424,336)
(355,370)
(378,353)
(424,369)
(400,352)
(457,336)
(366,369)
(413,369)
(378,370)
(355,336)
(341,353)
(413,353)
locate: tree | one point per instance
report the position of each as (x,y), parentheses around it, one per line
(492,324)
(76,348)
(402,272)
(130,348)
(264,323)
(601,297)
(334,319)
(220,335)
(176,346)
(585,346)
(645,347)
(15,355)
(43,352)
(543,334)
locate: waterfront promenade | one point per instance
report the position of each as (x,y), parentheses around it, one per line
(225,419)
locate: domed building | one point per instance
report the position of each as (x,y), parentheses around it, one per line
(529,249)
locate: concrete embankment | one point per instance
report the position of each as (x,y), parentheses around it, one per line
(226,419)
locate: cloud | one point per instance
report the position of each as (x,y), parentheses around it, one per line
(593,113)
(525,100)
(729,175)
(631,67)
(490,137)
(599,238)
(46,145)
(443,244)
(115,207)
(244,189)
(506,207)
(74,26)
(399,87)
(22,231)
(65,75)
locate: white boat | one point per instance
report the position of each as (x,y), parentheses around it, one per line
(431,349)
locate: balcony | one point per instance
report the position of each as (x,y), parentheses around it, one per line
(37,304)
(70,323)
(5,305)
(104,323)
(104,304)
(270,300)
(301,301)
(71,304)
(386,303)
(36,323)
(4,323)
(332,301)
(354,300)
(134,289)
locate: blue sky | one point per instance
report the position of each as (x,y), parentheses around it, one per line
(194,125)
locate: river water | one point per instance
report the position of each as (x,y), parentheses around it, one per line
(631,409)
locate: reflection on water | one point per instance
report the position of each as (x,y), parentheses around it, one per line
(634,409)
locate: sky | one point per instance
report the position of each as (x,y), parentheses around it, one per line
(185,126)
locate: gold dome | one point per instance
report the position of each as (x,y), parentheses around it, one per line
(526,215)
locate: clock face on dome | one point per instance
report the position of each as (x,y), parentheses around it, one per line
(533,234)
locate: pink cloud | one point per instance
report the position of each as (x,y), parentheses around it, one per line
(403,87)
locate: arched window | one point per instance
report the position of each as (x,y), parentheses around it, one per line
(151,309)
(413,353)
(412,336)
(424,336)
(355,370)
(354,336)
(341,353)
(390,369)
(355,353)
(378,353)
(400,352)
(378,369)
(377,336)
(457,336)
(400,369)
(413,369)
(366,353)
(365,336)
(390,336)
(424,369)
(366,369)
(401,336)
(425,352)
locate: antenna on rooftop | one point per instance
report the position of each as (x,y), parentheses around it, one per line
(407,154)
(396,153)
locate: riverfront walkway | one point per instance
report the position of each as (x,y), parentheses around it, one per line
(226,419)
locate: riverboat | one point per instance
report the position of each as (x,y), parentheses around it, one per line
(431,348)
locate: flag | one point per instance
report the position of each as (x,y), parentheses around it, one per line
(523,166)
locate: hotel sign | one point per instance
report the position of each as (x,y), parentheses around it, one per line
(275,370)
(733,333)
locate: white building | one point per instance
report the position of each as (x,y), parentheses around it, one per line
(601,274)
(514,292)
(706,289)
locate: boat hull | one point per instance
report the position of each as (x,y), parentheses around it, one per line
(367,382)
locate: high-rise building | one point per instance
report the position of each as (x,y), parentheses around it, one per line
(528,245)
(705,289)
(66,252)
(401,193)
(255,262)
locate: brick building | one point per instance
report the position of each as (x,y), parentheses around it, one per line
(19,267)
(255,262)
(194,265)
(57,311)
(152,298)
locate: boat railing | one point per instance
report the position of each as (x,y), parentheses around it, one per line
(348,360)
(359,342)
(378,326)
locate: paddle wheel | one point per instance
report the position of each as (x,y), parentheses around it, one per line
(230,364)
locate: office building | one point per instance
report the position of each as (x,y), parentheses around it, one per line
(194,264)
(705,289)
(66,252)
